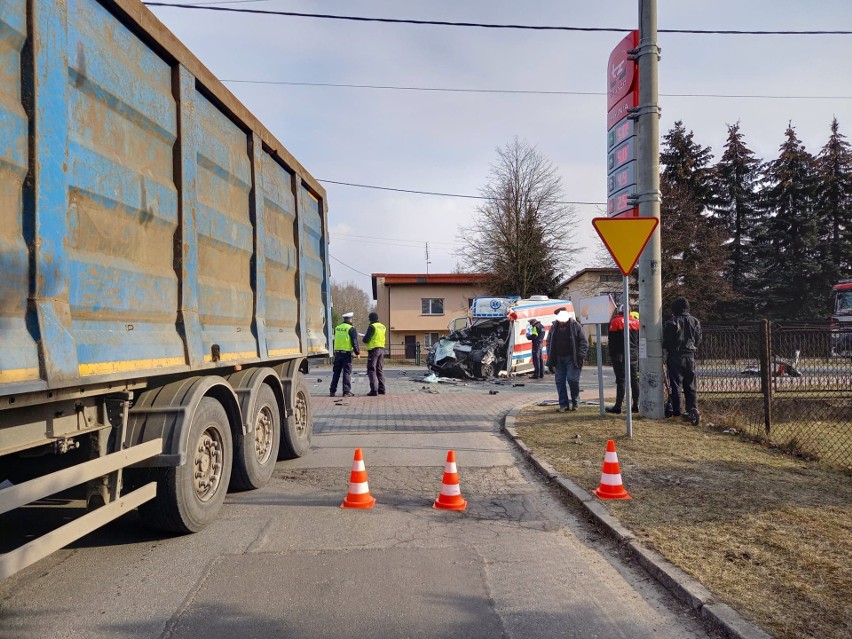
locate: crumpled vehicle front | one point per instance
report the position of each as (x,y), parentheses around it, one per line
(477,352)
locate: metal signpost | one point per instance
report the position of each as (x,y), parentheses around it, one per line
(648,202)
(596,310)
(625,239)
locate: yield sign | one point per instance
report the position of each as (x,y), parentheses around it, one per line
(625,238)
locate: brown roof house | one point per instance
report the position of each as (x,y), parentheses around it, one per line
(418,307)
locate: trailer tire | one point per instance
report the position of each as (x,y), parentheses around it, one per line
(298,428)
(256,452)
(186,503)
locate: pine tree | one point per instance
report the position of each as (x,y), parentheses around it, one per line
(693,251)
(834,209)
(685,163)
(736,206)
(787,256)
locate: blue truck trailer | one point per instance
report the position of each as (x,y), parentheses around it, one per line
(164,278)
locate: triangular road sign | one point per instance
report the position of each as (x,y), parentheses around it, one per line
(625,238)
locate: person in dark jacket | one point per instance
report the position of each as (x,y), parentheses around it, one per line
(616,355)
(374,342)
(567,348)
(681,338)
(345,344)
(535,333)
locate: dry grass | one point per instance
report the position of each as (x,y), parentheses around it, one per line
(816,427)
(768,534)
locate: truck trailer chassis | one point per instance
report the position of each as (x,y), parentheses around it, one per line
(165,276)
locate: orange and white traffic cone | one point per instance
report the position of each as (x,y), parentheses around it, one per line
(359,491)
(611,486)
(450,497)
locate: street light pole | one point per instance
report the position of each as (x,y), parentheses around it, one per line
(648,199)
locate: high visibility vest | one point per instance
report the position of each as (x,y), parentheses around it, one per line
(342,338)
(377,339)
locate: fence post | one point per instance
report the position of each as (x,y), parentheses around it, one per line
(417,354)
(766,374)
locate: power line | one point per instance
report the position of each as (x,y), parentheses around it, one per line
(349,267)
(394,239)
(481,25)
(417,245)
(403,88)
(388,87)
(199,4)
(469,197)
(392,242)
(757,96)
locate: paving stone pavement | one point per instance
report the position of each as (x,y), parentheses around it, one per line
(413,405)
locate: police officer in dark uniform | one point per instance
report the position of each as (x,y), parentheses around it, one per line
(681,338)
(535,333)
(374,342)
(345,343)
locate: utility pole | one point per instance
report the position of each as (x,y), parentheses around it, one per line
(648,198)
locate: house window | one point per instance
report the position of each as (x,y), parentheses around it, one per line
(610,278)
(432,306)
(431,338)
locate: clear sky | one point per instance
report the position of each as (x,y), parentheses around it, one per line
(446,141)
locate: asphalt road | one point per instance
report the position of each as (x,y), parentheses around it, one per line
(287,561)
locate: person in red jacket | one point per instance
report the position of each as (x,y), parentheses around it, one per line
(616,355)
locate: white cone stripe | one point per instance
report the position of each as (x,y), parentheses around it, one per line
(611,457)
(611,480)
(358,464)
(450,467)
(358,489)
(450,489)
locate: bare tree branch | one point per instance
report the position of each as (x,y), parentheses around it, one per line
(349,297)
(522,237)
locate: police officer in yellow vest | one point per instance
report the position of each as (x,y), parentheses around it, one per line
(345,343)
(374,342)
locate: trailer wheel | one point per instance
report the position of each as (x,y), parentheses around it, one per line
(189,497)
(298,428)
(255,452)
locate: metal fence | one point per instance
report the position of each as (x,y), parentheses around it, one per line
(400,354)
(780,383)
(406,353)
(592,355)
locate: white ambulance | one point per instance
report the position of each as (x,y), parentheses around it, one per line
(492,338)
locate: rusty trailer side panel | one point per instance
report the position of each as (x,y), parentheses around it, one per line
(18,347)
(149,224)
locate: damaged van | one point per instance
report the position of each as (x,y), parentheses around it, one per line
(492,338)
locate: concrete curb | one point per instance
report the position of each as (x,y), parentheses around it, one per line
(721,617)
